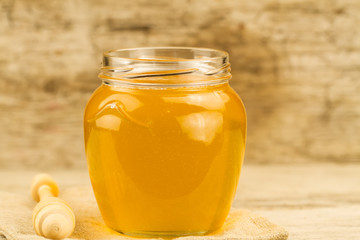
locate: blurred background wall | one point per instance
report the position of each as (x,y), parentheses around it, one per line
(295,63)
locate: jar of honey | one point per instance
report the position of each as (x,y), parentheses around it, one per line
(165,140)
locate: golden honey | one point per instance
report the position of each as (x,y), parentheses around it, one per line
(164,161)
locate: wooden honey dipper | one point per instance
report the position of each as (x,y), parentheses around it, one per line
(52,217)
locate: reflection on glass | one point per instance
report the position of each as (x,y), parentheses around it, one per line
(109,122)
(201,126)
(209,101)
(129,102)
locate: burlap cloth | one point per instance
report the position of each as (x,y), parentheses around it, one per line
(16,224)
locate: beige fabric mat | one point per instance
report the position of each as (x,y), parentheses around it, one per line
(16,224)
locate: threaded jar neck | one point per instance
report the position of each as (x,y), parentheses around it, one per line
(165,67)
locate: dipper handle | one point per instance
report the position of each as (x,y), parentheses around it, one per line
(52,217)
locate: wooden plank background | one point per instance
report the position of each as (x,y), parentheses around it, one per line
(295,63)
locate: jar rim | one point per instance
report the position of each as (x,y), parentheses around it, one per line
(220,53)
(166,66)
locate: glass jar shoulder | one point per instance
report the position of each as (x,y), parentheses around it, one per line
(152,104)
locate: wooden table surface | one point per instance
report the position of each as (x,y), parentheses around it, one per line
(312,201)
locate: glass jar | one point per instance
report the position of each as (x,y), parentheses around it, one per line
(165,139)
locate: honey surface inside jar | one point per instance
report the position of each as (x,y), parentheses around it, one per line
(165,160)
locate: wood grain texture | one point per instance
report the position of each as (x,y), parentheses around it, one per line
(311,201)
(295,64)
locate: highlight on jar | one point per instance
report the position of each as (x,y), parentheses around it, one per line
(165,140)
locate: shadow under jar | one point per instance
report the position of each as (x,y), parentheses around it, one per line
(165,140)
